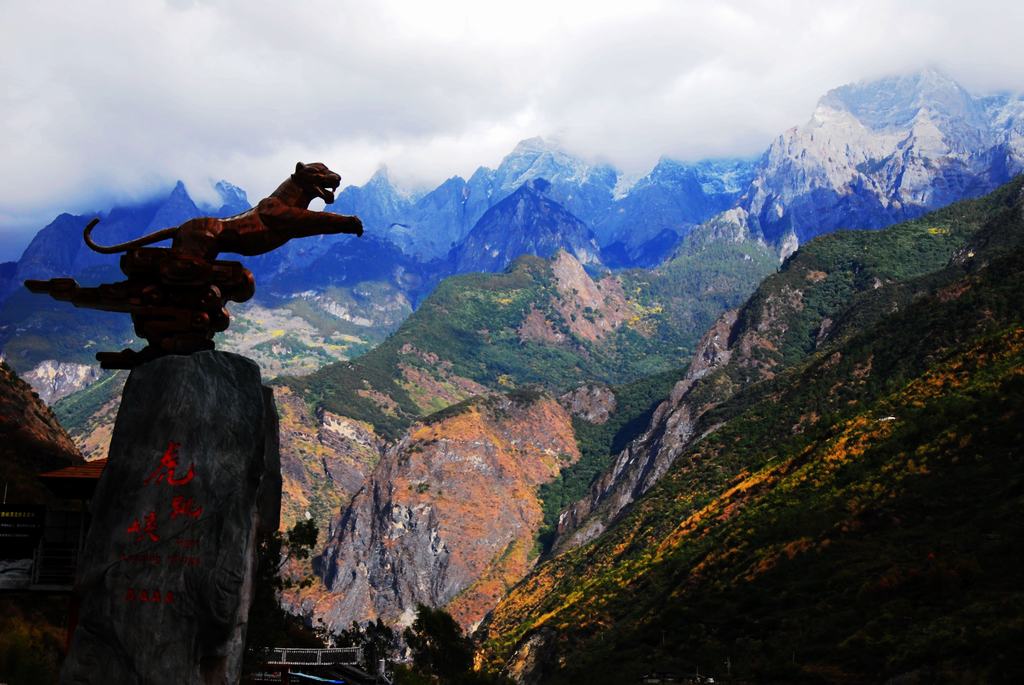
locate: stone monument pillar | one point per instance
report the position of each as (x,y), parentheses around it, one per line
(193,475)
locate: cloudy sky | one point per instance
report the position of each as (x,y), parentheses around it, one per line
(106,101)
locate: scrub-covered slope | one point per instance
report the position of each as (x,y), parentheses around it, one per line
(543,321)
(814,300)
(850,518)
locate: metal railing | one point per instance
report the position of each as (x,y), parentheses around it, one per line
(297,656)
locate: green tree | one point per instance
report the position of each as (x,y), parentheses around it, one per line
(269,624)
(438,646)
(441,653)
(377,640)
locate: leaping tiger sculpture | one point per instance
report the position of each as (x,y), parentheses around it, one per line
(176,295)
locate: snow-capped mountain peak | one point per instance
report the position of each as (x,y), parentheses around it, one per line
(881,151)
(895,102)
(540,158)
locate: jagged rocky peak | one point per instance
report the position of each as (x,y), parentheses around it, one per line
(178,208)
(377,202)
(381,178)
(528,221)
(535,157)
(539,158)
(233,199)
(592,308)
(379,185)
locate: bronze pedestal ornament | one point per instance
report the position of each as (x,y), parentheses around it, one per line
(176,295)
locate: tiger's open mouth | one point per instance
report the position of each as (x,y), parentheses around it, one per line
(326,191)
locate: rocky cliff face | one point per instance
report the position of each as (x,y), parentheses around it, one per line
(745,346)
(449,516)
(647,458)
(31,440)
(587,311)
(325,459)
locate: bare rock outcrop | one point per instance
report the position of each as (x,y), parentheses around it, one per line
(53,379)
(448,518)
(594,403)
(325,459)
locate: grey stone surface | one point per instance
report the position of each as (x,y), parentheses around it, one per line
(166,579)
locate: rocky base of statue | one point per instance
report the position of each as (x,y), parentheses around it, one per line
(193,476)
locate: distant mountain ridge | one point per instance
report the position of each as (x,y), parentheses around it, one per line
(658,209)
(873,153)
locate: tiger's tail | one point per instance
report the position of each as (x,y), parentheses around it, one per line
(154,237)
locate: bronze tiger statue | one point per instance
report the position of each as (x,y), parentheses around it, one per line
(270,224)
(176,296)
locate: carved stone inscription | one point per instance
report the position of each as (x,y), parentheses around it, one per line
(166,579)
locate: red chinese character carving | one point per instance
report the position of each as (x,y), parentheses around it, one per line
(185,506)
(143,596)
(147,528)
(168,597)
(130,595)
(167,467)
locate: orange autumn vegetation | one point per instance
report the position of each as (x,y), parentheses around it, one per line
(468,481)
(572,592)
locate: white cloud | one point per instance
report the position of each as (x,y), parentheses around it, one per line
(107,100)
